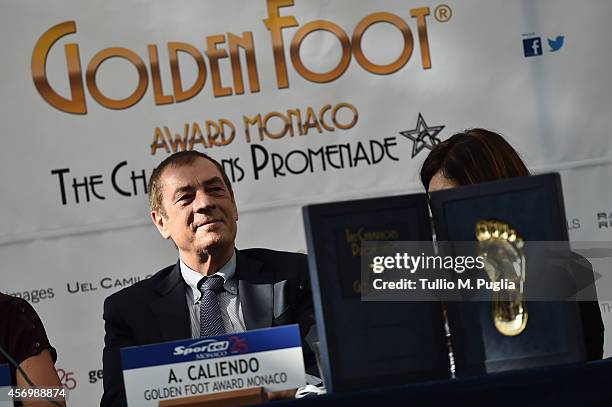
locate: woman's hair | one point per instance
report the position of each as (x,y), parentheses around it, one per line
(474,156)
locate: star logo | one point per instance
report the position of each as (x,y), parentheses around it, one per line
(422,136)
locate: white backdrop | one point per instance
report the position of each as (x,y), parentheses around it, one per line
(67,256)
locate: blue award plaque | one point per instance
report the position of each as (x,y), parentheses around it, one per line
(552,330)
(370,344)
(5,386)
(5,375)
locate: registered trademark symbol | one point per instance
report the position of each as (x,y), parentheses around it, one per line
(443,13)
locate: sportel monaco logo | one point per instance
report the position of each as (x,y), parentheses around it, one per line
(205,346)
(208,348)
(533,46)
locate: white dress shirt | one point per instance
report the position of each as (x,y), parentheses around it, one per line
(229,302)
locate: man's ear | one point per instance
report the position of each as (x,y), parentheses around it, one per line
(235,209)
(160,223)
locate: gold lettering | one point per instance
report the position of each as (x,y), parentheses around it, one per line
(214,55)
(420,14)
(275,23)
(392,19)
(311,121)
(223,124)
(177,143)
(116,52)
(245,42)
(77,104)
(212,132)
(280,134)
(297,114)
(252,121)
(196,136)
(158,141)
(158,91)
(302,33)
(174,48)
(360,232)
(350,236)
(322,117)
(352,108)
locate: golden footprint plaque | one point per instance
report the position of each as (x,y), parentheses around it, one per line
(502,248)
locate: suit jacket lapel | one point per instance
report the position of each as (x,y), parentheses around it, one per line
(170,310)
(255,292)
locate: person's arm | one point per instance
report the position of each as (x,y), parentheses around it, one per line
(117,335)
(30,347)
(42,373)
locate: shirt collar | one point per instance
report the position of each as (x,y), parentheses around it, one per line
(227,272)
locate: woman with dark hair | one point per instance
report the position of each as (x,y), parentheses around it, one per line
(23,339)
(471,157)
(480,155)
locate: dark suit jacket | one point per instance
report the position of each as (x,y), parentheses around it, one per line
(273,288)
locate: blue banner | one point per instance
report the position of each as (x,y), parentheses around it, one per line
(260,340)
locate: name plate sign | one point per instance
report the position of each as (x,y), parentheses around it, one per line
(270,358)
(5,384)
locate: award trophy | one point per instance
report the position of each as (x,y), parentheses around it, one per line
(502,248)
(510,221)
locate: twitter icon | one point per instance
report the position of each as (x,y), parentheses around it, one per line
(556,44)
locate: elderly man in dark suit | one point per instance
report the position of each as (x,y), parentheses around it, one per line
(213,288)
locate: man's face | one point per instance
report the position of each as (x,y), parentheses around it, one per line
(201,213)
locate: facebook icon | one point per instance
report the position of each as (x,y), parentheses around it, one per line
(532,46)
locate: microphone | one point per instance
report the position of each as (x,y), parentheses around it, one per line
(25,376)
